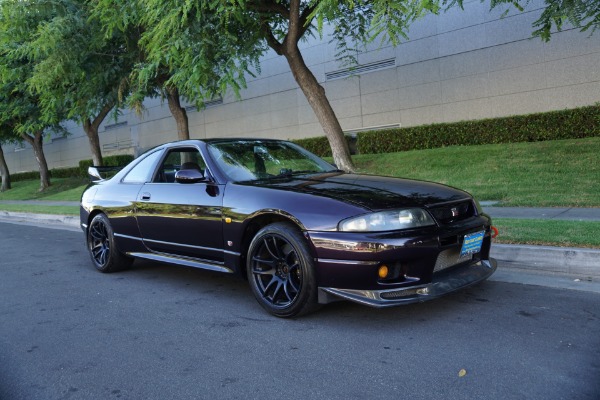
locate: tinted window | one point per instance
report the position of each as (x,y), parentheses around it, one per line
(142,172)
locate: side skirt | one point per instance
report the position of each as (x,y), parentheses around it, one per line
(188,262)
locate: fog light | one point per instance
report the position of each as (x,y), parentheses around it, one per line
(383,271)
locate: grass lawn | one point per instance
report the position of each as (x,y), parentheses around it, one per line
(551,233)
(540,174)
(62,189)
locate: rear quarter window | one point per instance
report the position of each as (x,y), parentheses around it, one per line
(144,170)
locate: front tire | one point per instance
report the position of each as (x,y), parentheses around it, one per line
(103,250)
(281,271)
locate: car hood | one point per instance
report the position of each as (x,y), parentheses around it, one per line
(369,191)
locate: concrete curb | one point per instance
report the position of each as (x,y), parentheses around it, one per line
(52,220)
(558,260)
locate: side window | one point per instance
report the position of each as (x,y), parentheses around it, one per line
(178,159)
(142,172)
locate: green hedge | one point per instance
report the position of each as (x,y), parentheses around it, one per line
(24,176)
(317,145)
(566,124)
(119,160)
(74,172)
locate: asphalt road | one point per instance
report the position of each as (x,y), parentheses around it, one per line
(161,332)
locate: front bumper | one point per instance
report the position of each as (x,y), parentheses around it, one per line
(443,282)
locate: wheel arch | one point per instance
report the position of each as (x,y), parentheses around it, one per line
(258,221)
(92,215)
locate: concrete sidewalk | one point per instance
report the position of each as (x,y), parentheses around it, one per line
(579,263)
(555,213)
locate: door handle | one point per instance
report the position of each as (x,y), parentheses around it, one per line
(146,196)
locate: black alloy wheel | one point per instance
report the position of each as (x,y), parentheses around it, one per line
(102,248)
(281,271)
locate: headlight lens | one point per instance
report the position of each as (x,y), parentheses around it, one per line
(387,221)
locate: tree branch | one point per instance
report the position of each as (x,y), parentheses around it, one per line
(270,38)
(102,114)
(28,138)
(292,36)
(304,21)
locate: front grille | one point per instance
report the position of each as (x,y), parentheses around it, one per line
(449,213)
(449,258)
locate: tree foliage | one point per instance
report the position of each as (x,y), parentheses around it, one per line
(210,45)
(582,14)
(76,67)
(76,59)
(148,30)
(20,109)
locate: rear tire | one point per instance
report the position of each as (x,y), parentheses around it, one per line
(281,271)
(103,250)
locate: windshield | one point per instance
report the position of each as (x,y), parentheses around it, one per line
(256,159)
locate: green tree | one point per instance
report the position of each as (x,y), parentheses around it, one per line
(149,77)
(77,68)
(582,14)
(20,109)
(197,39)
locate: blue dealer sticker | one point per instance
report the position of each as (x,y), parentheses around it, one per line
(472,243)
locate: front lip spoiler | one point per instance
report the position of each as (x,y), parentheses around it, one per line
(443,283)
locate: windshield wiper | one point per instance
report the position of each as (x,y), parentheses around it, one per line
(290,172)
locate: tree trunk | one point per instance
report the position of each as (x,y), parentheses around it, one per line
(315,94)
(178,112)
(36,141)
(91,130)
(313,91)
(92,134)
(4,172)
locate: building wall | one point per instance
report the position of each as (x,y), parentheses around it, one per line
(464,64)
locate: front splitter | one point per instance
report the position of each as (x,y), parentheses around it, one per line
(443,283)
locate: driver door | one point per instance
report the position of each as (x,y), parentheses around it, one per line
(182,219)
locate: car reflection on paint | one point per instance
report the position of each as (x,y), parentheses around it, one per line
(300,231)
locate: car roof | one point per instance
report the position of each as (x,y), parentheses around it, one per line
(215,140)
(225,140)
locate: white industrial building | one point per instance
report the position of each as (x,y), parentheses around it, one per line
(463,64)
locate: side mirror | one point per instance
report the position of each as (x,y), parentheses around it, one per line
(189,176)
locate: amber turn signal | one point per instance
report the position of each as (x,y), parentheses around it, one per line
(494,232)
(383,271)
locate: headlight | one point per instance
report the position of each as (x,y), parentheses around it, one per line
(387,221)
